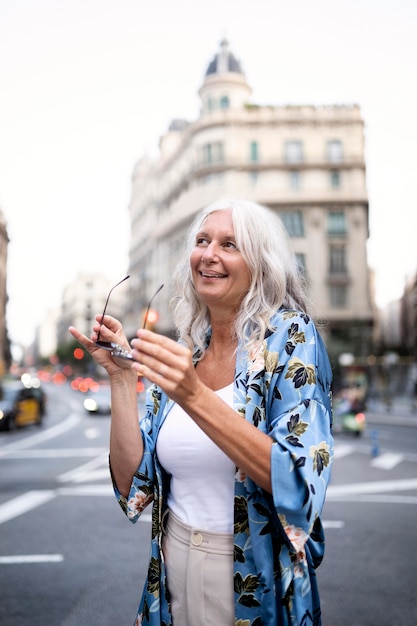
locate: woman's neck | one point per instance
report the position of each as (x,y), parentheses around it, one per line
(217,367)
(222,338)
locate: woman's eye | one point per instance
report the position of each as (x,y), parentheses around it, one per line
(201,240)
(230,244)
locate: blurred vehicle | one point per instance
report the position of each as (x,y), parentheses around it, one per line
(98,400)
(21,404)
(348,416)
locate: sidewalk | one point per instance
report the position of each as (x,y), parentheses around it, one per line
(401,412)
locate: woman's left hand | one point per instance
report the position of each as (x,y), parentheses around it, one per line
(166,363)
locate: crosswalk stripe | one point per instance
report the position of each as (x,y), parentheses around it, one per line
(24,503)
(341,450)
(387,461)
(375,487)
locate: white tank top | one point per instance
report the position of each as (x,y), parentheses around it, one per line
(202,476)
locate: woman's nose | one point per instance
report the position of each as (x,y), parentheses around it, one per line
(210,253)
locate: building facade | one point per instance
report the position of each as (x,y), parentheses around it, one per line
(5,355)
(304,162)
(408,317)
(82,299)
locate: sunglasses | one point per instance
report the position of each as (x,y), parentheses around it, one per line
(114,348)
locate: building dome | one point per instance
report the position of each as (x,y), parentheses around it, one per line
(224,86)
(224,61)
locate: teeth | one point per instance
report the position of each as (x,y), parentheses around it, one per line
(212,275)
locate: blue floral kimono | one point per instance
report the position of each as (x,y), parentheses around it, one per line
(283,388)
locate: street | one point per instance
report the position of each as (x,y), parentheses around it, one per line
(69,556)
(369,570)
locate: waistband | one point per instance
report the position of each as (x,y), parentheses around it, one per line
(208,541)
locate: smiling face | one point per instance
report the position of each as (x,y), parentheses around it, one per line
(220,275)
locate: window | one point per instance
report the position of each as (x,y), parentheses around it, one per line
(338,296)
(295,180)
(293,222)
(253,178)
(301,262)
(337,259)
(336,223)
(224,102)
(293,151)
(212,178)
(254,151)
(212,152)
(335,180)
(206,153)
(334,151)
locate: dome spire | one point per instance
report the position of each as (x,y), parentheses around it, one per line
(223,57)
(224,61)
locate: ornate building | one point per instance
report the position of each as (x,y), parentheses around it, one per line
(305,162)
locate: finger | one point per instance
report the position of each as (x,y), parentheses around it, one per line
(85,341)
(148,366)
(159,359)
(157,339)
(74,332)
(159,346)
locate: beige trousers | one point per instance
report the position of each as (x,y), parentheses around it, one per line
(199,568)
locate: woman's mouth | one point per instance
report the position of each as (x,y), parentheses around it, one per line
(212,275)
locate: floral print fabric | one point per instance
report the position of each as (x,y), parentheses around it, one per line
(283,388)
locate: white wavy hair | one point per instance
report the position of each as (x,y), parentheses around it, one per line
(276,280)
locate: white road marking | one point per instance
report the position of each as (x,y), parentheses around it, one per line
(333,524)
(99,474)
(385,499)
(341,450)
(32,499)
(24,503)
(387,461)
(49,433)
(77,474)
(31,558)
(340,491)
(56,453)
(86,490)
(92,433)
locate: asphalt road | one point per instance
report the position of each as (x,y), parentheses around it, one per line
(369,572)
(69,557)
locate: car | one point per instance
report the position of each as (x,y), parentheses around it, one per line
(348,416)
(21,404)
(98,401)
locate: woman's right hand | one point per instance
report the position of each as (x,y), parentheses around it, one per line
(110,330)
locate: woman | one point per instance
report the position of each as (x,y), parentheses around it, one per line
(235,448)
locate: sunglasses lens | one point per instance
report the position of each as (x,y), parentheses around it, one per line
(115,350)
(105,345)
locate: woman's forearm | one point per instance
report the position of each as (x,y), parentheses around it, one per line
(126,445)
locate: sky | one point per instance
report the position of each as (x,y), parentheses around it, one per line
(87,87)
